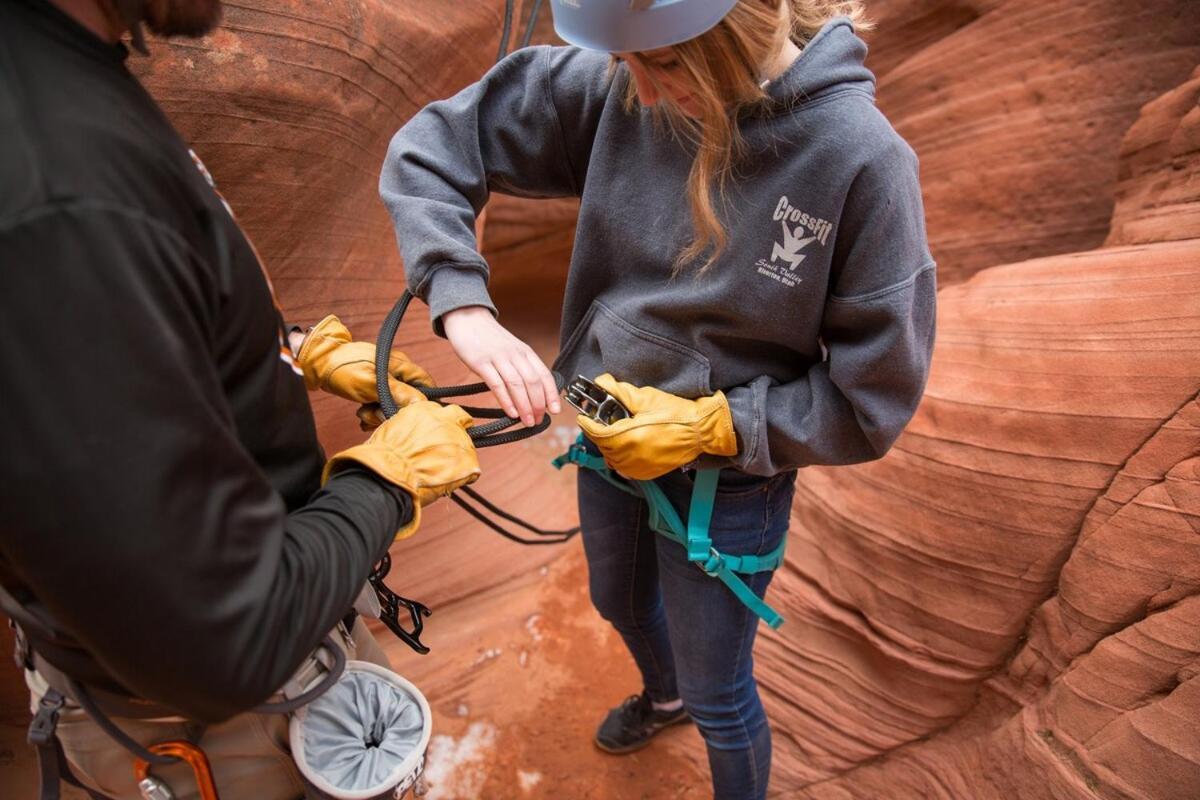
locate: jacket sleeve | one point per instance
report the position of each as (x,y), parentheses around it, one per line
(526,129)
(877,329)
(131,510)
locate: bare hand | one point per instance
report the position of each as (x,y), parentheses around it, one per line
(521,383)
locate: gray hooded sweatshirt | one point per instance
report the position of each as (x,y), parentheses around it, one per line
(817,319)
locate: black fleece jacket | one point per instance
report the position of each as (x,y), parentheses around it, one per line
(160,473)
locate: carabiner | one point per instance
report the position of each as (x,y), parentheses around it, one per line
(184,751)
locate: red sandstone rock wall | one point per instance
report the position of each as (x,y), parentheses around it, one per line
(1059,427)
(1008,605)
(1016,108)
(1158,194)
(1003,607)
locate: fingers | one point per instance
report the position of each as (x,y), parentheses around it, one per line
(598,430)
(549,387)
(623,392)
(474,476)
(590,427)
(529,385)
(636,399)
(407,370)
(489,375)
(533,388)
(370,416)
(403,394)
(456,415)
(606,382)
(514,382)
(517,378)
(331,328)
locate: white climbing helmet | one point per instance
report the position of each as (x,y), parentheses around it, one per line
(627,26)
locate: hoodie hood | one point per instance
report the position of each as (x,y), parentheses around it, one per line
(831,61)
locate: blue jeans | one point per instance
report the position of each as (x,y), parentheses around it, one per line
(689,635)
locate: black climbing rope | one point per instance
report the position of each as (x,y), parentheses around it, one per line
(489,434)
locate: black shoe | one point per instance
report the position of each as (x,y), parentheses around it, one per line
(631,725)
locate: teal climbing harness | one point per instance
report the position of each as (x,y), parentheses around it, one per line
(694,535)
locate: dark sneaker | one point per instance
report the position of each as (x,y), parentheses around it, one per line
(631,725)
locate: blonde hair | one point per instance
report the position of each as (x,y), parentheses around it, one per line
(723,66)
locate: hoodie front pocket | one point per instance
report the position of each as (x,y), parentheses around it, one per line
(603,342)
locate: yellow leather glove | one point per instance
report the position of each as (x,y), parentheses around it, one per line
(424,449)
(663,432)
(332,361)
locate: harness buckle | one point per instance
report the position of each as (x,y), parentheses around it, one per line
(696,549)
(715,563)
(45,721)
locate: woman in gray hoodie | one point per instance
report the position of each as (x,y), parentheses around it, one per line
(750,278)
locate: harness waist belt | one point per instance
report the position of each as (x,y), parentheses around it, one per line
(114,705)
(133,707)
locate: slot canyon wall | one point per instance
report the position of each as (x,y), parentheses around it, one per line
(1007,604)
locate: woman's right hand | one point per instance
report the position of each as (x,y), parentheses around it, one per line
(521,383)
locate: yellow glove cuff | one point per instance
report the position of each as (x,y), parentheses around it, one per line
(325,337)
(717,434)
(383,461)
(413,524)
(385,465)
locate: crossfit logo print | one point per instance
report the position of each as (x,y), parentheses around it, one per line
(789,251)
(800,230)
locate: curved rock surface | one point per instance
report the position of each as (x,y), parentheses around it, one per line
(1005,606)
(1017,109)
(1043,503)
(1158,196)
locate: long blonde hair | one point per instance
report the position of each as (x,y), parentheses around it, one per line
(724,66)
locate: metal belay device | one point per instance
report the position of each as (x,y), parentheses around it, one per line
(364,738)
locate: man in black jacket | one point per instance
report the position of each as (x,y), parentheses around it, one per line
(161,481)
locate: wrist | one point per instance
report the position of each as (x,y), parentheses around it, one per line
(295,339)
(452,288)
(466,315)
(468,312)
